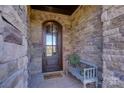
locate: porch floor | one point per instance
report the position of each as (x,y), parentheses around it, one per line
(66,81)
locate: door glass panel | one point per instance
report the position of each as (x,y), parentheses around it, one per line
(48,50)
(54,44)
(54,40)
(51,40)
(54,49)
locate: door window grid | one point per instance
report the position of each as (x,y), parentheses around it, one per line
(51,40)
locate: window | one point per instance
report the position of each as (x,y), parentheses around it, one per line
(51,39)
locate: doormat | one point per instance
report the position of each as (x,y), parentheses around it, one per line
(52,75)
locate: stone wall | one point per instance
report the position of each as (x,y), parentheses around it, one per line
(87,35)
(13,46)
(113,46)
(96,33)
(37,20)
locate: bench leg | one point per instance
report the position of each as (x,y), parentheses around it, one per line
(96,83)
(85,85)
(67,72)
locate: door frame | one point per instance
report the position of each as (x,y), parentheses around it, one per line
(43,43)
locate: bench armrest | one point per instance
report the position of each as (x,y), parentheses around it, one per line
(88,63)
(90,73)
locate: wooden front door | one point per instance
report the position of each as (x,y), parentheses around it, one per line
(52,53)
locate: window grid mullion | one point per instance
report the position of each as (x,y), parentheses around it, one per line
(52,38)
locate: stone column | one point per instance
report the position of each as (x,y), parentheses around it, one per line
(113,46)
(13,47)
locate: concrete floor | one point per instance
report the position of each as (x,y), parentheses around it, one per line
(66,81)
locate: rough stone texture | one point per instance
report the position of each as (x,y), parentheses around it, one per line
(1,47)
(87,35)
(96,33)
(12,34)
(113,46)
(13,46)
(37,20)
(82,33)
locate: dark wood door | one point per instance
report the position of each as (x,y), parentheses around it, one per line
(52,47)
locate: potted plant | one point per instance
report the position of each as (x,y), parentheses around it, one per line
(74,59)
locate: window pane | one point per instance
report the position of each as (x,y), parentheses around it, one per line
(49,50)
(54,40)
(49,39)
(54,49)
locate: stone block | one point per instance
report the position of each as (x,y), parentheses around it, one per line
(12,16)
(118,45)
(26,78)
(20,84)
(12,34)
(119,74)
(25,59)
(22,62)
(25,42)
(1,24)
(36,59)
(122,78)
(105,25)
(122,31)
(9,68)
(115,12)
(116,22)
(1,47)
(13,80)
(25,45)
(113,52)
(115,79)
(12,67)
(111,32)
(1,38)
(104,16)
(21,12)
(36,52)
(1,8)
(35,67)
(12,52)
(3,72)
(106,7)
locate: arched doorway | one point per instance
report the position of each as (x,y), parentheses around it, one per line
(52,46)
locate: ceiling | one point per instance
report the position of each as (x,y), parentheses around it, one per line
(62,9)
